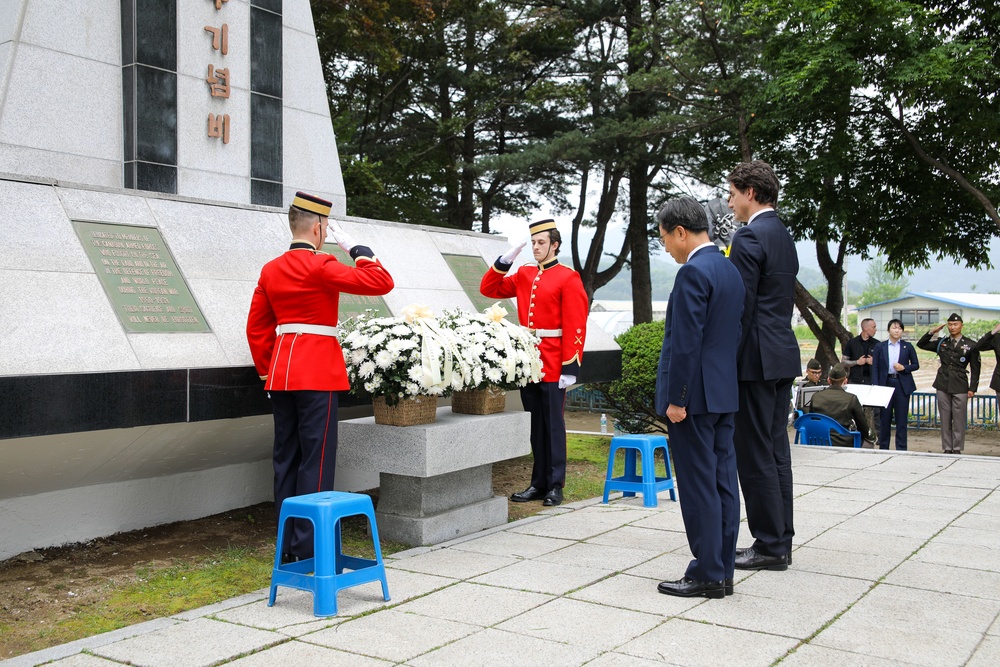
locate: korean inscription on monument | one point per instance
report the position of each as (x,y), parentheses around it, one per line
(141,278)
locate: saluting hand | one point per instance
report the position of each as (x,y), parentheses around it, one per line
(937,328)
(509,256)
(340,237)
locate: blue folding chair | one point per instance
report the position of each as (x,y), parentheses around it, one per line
(814,429)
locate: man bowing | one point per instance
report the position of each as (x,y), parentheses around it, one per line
(696,389)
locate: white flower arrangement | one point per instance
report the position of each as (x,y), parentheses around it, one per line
(493,351)
(400,357)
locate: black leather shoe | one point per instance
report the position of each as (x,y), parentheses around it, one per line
(748,559)
(729,586)
(530,493)
(689,588)
(789,557)
(553,498)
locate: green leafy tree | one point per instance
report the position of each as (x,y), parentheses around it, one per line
(882,284)
(632,397)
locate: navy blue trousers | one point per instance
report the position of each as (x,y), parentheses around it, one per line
(305,455)
(899,406)
(544,400)
(701,447)
(764,463)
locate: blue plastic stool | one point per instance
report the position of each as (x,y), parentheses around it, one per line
(648,484)
(324,573)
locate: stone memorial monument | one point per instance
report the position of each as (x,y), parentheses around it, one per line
(148,152)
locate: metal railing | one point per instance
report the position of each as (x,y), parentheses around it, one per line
(982,411)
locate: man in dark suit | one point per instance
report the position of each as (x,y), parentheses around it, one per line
(696,390)
(768,359)
(991,341)
(893,363)
(842,407)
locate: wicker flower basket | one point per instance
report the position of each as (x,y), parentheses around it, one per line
(408,412)
(479,401)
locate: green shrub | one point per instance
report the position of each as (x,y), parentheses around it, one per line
(632,396)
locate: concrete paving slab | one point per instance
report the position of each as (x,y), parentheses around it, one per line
(990,522)
(475,603)
(600,556)
(816,475)
(808,525)
(208,610)
(821,656)
(198,643)
(637,537)
(401,636)
(867,567)
(970,537)
(291,608)
(613,659)
(935,489)
(846,507)
(301,629)
(693,644)
(855,541)
(671,521)
(912,625)
(954,579)
(452,563)
(987,654)
(810,588)
(896,507)
(636,593)
(514,545)
(552,578)
(84,660)
(496,648)
(580,525)
(302,654)
(914,526)
(944,553)
(668,566)
(748,612)
(994,630)
(582,624)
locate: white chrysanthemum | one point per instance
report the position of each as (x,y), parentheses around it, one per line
(384,358)
(401,330)
(415,355)
(370,387)
(358,356)
(494,375)
(366,369)
(477,375)
(412,388)
(406,343)
(377,380)
(492,355)
(415,373)
(376,340)
(351,337)
(359,341)
(457,382)
(481,337)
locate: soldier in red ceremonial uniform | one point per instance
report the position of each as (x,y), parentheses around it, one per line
(551,301)
(292,332)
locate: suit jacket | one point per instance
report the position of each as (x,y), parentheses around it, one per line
(845,409)
(955,356)
(991,342)
(303,286)
(765,256)
(907,357)
(697,368)
(550,296)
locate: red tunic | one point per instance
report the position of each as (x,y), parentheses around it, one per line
(303,286)
(549,296)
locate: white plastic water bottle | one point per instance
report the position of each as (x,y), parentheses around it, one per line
(604,422)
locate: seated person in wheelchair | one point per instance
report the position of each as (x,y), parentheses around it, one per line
(843,407)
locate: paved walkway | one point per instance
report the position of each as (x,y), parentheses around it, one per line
(897,562)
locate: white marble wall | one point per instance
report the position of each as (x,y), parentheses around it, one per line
(61,99)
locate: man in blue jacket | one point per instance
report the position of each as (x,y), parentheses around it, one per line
(696,390)
(893,363)
(769,361)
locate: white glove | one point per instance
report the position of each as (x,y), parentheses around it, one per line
(340,237)
(566,380)
(511,255)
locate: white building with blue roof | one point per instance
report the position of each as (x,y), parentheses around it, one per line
(922,309)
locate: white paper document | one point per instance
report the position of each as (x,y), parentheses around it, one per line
(871,395)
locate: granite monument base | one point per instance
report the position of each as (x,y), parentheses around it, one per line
(436,480)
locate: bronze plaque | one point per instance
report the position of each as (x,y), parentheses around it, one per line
(141,278)
(469,270)
(352,305)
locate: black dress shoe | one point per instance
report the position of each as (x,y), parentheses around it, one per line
(530,493)
(729,586)
(748,559)
(553,498)
(689,588)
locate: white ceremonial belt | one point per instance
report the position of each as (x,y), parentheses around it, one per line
(547,333)
(318,329)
